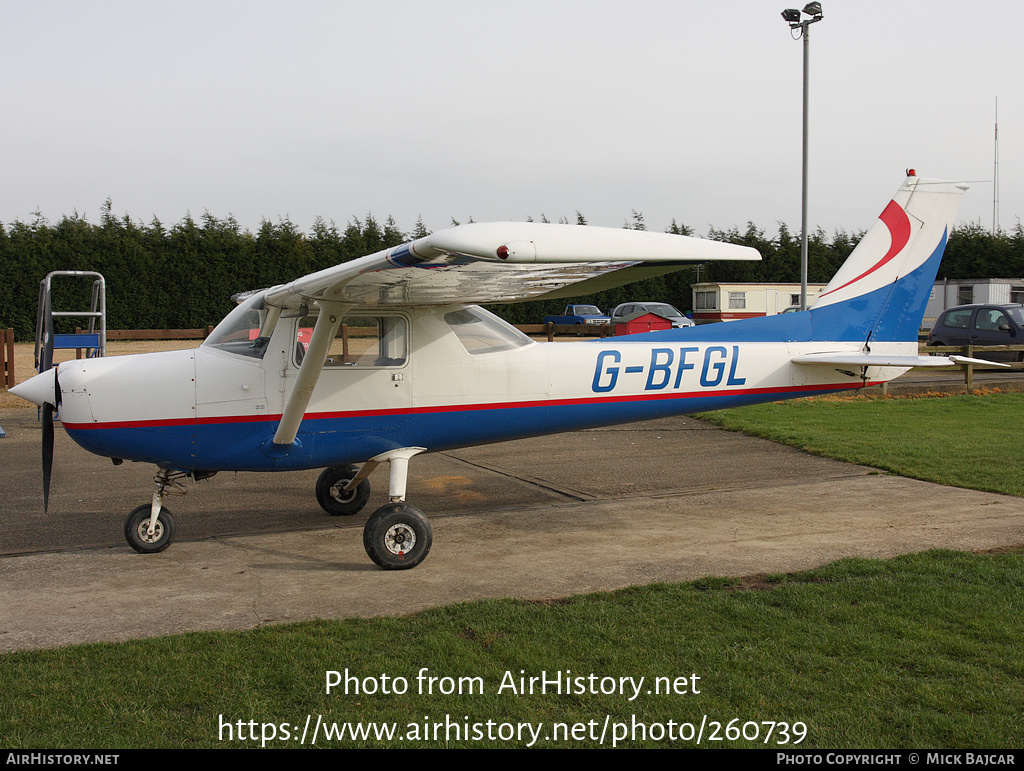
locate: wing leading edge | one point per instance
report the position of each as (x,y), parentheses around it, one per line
(502,262)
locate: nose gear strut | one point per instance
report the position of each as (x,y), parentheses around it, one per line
(150,528)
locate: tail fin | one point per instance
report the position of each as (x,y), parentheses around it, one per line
(880,292)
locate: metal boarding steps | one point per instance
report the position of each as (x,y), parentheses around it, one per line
(94,341)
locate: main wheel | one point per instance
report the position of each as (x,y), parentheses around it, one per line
(333,499)
(397,536)
(136,530)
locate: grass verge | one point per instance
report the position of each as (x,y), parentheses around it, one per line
(919,651)
(971,441)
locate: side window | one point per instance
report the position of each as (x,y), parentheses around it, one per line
(989,320)
(361,341)
(480,331)
(957,319)
(706,301)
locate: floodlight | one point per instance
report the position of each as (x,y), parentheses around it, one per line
(801,28)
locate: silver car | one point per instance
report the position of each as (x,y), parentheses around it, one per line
(632,310)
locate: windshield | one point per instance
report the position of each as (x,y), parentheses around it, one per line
(239,332)
(663,309)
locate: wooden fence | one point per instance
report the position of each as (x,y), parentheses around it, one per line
(972,351)
(7,356)
(158,334)
(578,330)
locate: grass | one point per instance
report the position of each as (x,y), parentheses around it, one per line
(922,651)
(972,441)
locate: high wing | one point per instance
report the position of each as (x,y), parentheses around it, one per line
(479,263)
(503,262)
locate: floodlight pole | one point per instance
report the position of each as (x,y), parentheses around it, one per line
(814,11)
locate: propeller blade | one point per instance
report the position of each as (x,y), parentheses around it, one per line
(44,347)
(47,417)
(47,452)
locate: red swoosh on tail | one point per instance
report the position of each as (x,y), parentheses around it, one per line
(899,231)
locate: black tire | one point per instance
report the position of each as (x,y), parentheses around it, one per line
(137,525)
(397,536)
(330,496)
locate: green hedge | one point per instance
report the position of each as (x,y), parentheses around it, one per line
(184,276)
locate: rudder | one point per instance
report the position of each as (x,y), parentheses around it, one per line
(881,291)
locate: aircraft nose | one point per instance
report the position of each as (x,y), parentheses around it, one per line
(40,390)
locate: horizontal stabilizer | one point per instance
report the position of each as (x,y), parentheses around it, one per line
(968,360)
(853,359)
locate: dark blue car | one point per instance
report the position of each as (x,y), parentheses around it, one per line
(986,324)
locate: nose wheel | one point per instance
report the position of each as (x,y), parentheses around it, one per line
(141,537)
(150,528)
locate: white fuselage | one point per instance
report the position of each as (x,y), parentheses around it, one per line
(213,409)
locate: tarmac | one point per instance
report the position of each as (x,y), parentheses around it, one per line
(537,519)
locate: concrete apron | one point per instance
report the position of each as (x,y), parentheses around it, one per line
(538,552)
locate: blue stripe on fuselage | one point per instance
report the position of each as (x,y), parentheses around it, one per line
(238,446)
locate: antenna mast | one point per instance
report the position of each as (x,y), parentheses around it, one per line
(995,179)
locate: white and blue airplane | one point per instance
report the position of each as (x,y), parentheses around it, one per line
(418,367)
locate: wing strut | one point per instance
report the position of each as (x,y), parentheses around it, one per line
(326,328)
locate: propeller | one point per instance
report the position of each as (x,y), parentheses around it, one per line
(45,364)
(43,389)
(47,418)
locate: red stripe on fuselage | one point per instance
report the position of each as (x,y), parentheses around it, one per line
(468,407)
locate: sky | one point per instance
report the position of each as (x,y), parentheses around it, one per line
(455,109)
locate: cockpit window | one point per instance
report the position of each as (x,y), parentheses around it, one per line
(483,332)
(361,341)
(240,332)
